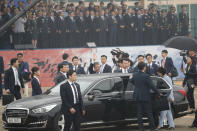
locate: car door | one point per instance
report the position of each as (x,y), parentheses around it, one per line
(96,100)
(164,88)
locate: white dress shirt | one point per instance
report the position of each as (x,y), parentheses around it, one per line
(16,76)
(72,88)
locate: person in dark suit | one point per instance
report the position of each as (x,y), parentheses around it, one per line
(60,30)
(92,27)
(167,63)
(52,28)
(194,124)
(43,30)
(94,68)
(13,80)
(1,74)
(65,61)
(139,28)
(24,70)
(35,82)
(121,34)
(184,21)
(151,67)
(103,26)
(72,102)
(82,27)
(130,22)
(163,26)
(125,67)
(113,27)
(105,68)
(61,75)
(143,85)
(140,58)
(173,22)
(71,29)
(190,81)
(76,66)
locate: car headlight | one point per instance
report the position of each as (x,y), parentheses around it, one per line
(4,109)
(44,109)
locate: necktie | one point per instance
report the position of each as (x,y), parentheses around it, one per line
(163,63)
(75,68)
(76,94)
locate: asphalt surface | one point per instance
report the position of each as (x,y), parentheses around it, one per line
(180,123)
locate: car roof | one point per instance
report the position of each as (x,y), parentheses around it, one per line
(104,75)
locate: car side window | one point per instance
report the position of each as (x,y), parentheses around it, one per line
(160,83)
(118,84)
(104,86)
(130,86)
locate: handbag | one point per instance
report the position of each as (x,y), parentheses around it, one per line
(7,99)
(160,104)
(174,72)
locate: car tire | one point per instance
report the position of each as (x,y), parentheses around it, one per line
(58,123)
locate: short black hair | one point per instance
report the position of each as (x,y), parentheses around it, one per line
(13,60)
(75,57)
(65,56)
(148,55)
(165,51)
(70,73)
(141,65)
(104,56)
(125,59)
(161,70)
(140,56)
(20,54)
(62,65)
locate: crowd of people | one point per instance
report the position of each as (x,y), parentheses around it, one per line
(68,25)
(18,75)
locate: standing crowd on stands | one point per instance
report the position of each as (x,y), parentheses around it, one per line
(68,25)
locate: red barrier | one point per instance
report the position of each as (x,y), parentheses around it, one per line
(46,60)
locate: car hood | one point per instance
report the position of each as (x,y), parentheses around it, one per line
(35,101)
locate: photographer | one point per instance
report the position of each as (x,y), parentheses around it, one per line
(190,81)
(190,53)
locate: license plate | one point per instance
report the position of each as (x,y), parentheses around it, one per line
(14,120)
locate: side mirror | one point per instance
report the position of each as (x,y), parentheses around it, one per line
(90,97)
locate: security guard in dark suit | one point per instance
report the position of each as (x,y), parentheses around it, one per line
(121,27)
(72,103)
(163,26)
(148,26)
(184,21)
(42,22)
(173,21)
(143,85)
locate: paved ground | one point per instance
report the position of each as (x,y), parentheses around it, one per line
(181,124)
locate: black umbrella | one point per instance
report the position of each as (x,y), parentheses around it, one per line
(182,43)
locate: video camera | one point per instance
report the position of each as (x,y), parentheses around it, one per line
(183,53)
(118,53)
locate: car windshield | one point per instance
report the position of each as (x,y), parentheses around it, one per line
(84,84)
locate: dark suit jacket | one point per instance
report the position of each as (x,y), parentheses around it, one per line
(59,78)
(80,70)
(120,71)
(36,88)
(143,85)
(153,70)
(67,97)
(91,69)
(65,62)
(9,80)
(107,69)
(1,65)
(168,65)
(191,75)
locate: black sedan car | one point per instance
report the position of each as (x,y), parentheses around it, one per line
(108,100)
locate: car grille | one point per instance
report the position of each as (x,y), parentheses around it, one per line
(22,113)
